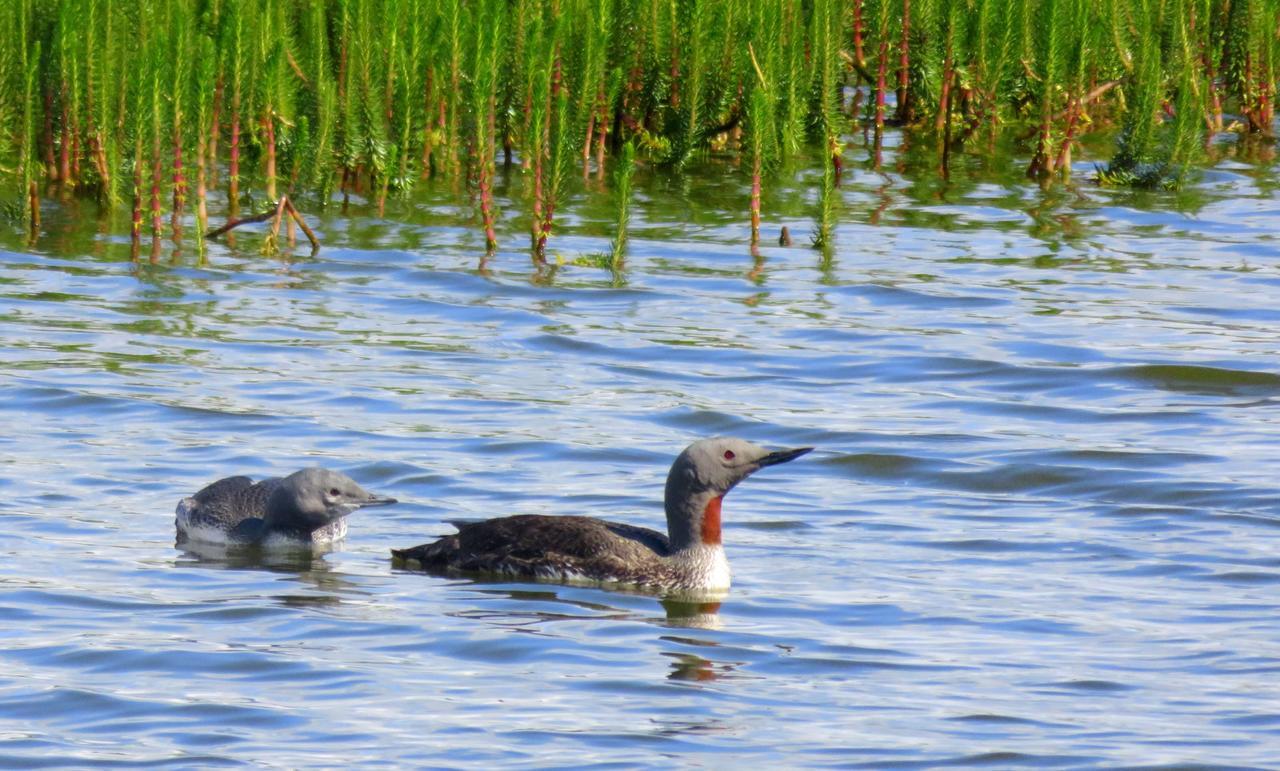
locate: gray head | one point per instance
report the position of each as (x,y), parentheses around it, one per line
(700,477)
(312,498)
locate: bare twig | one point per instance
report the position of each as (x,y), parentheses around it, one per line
(275,225)
(293,65)
(1087,98)
(276,213)
(311,236)
(858,66)
(232,224)
(33,193)
(759,73)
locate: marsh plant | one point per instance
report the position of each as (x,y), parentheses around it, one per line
(161,105)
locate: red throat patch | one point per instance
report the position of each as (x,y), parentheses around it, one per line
(711,521)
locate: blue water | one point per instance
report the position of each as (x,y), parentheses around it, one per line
(1042,527)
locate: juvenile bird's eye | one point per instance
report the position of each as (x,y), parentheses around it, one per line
(334,492)
(728,455)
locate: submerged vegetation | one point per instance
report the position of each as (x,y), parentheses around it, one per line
(163,105)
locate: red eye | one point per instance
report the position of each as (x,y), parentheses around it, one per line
(334,492)
(728,455)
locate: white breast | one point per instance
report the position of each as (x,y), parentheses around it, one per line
(324,536)
(704,567)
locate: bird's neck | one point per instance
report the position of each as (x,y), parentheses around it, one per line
(693,519)
(279,511)
(282,518)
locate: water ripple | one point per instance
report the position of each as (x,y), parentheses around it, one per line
(1037,531)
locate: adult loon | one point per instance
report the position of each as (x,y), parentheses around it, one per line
(307,507)
(689,558)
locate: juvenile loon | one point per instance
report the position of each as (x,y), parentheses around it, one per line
(689,558)
(306,507)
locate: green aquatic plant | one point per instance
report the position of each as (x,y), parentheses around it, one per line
(484,107)
(625,172)
(153,105)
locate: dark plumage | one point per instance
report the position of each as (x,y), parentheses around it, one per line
(586,548)
(308,506)
(549,547)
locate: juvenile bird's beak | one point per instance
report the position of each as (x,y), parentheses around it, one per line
(379,500)
(782,456)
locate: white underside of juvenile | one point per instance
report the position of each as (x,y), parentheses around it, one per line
(191,528)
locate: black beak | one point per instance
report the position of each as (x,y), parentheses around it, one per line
(379,500)
(782,456)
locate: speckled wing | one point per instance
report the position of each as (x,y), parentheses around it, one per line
(229,501)
(546,547)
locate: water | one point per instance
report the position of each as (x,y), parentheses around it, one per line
(1040,529)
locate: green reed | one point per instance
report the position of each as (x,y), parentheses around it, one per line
(155,105)
(623,175)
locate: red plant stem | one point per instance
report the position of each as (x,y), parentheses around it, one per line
(212,158)
(33,193)
(1040,161)
(526,162)
(755,199)
(674,74)
(486,211)
(442,117)
(904,106)
(1266,110)
(1244,101)
(486,176)
(944,97)
(179,177)
(557,78)
(156,172)
(426,127)
(586,145)
(882,65)
(50,166)
(601,134)
(536,230)
(548,201)
(859,30)
(233,165)
(635,83)
(136,228)
(97,153)
(546,230)
(837,163)
(89,128)
(269,124)
(202,207)
(342,71)
(1215,122)
(75,155)
(64,159)
(1064,153)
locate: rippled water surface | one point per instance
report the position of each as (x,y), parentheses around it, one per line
(1041,527)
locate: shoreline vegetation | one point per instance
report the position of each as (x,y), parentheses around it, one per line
(150,107)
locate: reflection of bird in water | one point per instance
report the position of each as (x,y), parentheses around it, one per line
(687,666)
(311,581)
(689,557)
(306,508)
(692,612)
